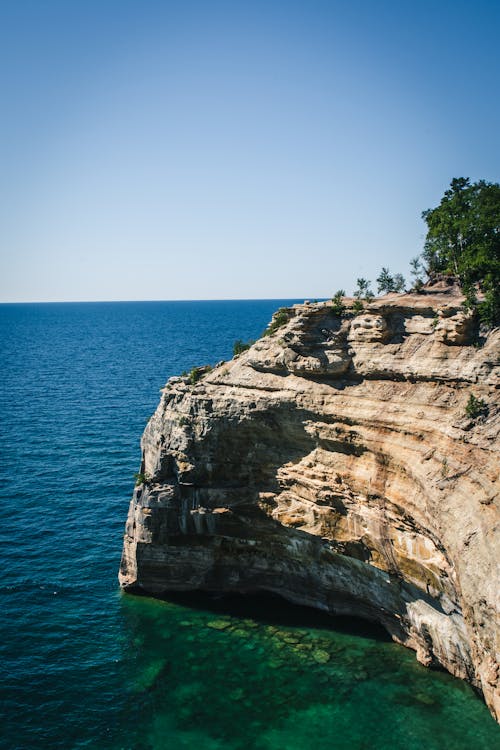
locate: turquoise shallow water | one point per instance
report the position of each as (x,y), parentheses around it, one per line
(86,667)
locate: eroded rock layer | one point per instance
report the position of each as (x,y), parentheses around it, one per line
(335,463)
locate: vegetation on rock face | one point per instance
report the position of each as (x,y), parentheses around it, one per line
(198,372)
(280,318)
(337,306)
(141,478)
(476,407)
(463,239)
(239,347)
(194,375)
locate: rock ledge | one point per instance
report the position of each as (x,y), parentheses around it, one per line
(334,463)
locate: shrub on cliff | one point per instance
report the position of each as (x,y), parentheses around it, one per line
(141,478)
(239,347)
(198,372)
(463,239)
(337,306)
(476,407)
(280,318)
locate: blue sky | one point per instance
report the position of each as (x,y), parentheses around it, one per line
(213,150)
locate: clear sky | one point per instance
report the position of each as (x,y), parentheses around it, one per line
(199,150)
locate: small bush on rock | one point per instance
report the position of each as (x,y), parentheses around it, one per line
(198,372)
(280,318)
(337,306)
(239,347)
(476,407)
(141,478)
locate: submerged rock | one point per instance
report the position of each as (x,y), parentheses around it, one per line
(320,656)
(334,463)
(218,624)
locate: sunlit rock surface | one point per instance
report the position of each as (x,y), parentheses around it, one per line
(334,463)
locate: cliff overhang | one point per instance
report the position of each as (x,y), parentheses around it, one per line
(335,463)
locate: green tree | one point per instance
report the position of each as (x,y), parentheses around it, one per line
(386,282)
(463,239)
(338,307)
(399,283)
(363,290)
(416,270)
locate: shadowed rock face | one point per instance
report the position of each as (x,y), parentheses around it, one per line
(333,463)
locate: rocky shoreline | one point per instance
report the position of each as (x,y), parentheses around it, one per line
(336,463)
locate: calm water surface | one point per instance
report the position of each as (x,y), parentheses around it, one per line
(86,667)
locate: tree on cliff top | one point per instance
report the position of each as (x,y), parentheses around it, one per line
(463,239)
(386,282)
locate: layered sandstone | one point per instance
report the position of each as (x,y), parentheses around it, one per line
(334,463)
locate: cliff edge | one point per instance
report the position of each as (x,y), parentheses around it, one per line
(341,463)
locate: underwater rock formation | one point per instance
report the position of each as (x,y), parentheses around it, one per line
(341,463)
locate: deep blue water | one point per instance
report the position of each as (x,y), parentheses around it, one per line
(84,666)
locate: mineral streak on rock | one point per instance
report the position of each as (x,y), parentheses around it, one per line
(334,463)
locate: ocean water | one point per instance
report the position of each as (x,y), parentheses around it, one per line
(84,666)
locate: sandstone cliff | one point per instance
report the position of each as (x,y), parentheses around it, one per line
(335,464)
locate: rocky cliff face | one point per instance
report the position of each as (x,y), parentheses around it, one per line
(334,463)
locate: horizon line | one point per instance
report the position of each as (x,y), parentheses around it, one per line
(124,301)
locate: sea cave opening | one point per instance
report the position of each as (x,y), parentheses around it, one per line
(269,608)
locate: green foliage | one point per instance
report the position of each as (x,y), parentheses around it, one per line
(476,407)
(239,347)
(416,271)
(399,283)
(141,478)
(463,239)
(337,306)
(386,282)
(470,293)
(280,318)
(357,306)
(489,309)
(363,290)
(194,375)
(197,373)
